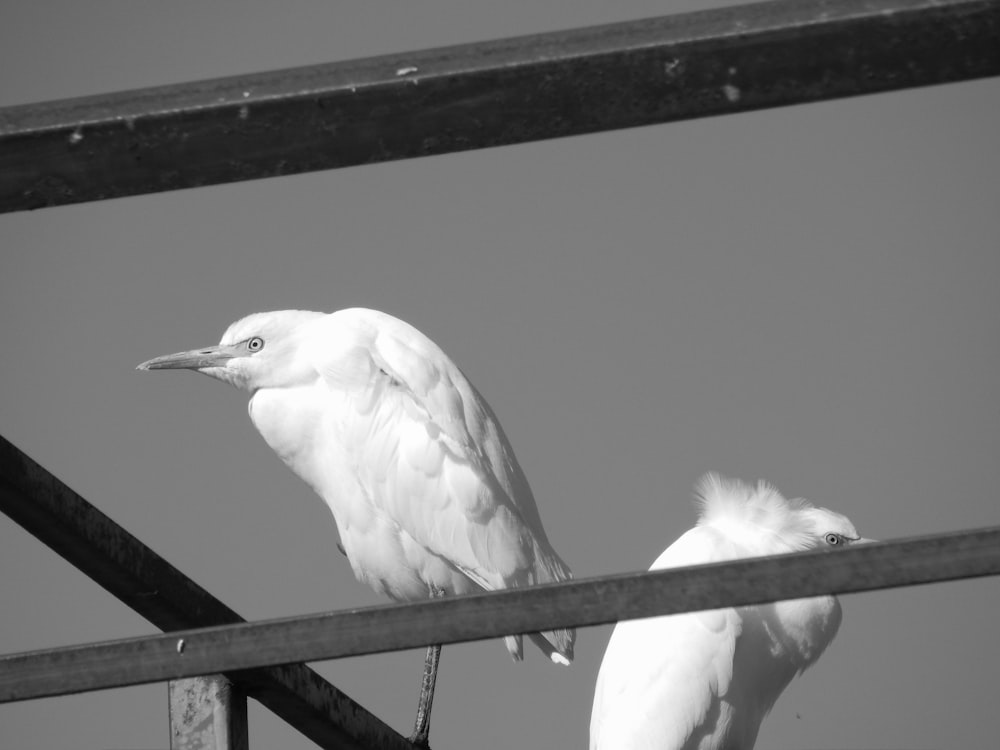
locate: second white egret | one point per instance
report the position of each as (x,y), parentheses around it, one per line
(706,680)
(423,484)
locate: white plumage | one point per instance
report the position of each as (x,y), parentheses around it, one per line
(706,680)
(423,484)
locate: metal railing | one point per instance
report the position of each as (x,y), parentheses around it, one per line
(496,93)
(453,99)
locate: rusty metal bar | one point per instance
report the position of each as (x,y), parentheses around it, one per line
(207,713)
(147,583)
(596,601)
(489,94)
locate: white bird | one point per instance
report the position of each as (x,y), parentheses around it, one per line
(423,484)
(706,680)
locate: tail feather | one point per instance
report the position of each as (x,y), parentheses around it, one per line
(514,647)
(556,644)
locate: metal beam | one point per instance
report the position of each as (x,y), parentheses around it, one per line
(147,583)
(596,601)
(207,713)
(490,94)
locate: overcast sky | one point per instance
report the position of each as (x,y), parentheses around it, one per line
(806,295)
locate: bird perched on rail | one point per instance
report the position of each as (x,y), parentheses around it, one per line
(423,484)
(706,680)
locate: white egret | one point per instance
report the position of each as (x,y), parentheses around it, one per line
(423,484)
(706,680)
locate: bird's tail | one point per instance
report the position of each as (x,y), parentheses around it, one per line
(555,644)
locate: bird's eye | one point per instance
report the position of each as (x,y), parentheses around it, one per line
(255,344)
(833,539)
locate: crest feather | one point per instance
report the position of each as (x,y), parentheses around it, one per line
(755,516)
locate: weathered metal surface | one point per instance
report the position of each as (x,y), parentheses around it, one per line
(147,583)
(207,713)
(489,94)
(596,601)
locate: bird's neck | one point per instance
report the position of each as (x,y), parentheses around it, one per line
(290,421)
(803,628)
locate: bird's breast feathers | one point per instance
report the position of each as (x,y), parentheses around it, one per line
(291,421)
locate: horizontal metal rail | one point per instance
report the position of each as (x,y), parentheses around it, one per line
(595,601)
(147,583)
(489,94)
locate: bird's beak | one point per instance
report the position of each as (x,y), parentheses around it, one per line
(862,540)
(195,359)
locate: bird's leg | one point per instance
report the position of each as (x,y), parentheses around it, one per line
(422,726)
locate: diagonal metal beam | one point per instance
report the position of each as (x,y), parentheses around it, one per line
(495,93)
(147,583)
(595,601)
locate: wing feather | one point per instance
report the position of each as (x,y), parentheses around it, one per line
(431,454)
(469,468)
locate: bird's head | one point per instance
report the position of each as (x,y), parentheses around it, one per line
(827,529)
(258,351)
(759,521)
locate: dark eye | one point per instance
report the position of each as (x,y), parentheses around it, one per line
(833,539)
(255,344)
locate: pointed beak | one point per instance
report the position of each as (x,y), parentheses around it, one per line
(862,540)
(195,359)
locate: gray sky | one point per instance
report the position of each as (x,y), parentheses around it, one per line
(806,295)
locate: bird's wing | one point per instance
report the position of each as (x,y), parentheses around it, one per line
(432,455)
(661,678)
